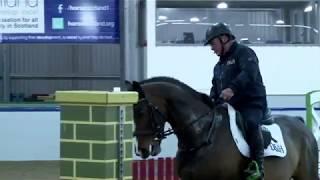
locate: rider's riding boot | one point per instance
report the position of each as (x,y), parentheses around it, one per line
(257,149)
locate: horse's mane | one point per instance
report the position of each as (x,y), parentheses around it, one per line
(201,96)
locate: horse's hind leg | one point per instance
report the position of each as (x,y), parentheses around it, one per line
(307,171)
(308,164)
(305,176)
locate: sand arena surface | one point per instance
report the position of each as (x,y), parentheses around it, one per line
(29,170)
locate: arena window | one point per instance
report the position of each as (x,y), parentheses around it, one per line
(253,22)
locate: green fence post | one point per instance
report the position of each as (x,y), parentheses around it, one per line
(308,110)
(96,134)
(312,98)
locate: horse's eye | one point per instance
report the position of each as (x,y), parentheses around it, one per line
(138,112)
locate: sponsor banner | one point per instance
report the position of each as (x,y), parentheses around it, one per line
(59,21)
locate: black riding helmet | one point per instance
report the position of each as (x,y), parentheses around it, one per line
(217,30)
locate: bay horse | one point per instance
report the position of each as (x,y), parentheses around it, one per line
(191,115)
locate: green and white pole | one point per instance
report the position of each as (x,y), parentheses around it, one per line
(313,119)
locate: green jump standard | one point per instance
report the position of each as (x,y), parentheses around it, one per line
(89,134)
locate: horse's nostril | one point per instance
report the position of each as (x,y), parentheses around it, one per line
(155,150)
(144,153)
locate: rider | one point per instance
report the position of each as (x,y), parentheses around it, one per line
(238,81)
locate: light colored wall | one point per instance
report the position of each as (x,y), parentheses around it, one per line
(26,136)
(285,69)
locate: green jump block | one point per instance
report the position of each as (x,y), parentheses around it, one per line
(66,168)
(95,170)
(128,150)
(95,132)
(74,150)
(89,133)
(66,131)
(129,113)
(96,97)
(105,151)
(128,131)
(127,168)
(105,113)
(75,113)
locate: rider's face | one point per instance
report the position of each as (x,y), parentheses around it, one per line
(216,46)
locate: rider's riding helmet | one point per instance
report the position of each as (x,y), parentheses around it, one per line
(217,30)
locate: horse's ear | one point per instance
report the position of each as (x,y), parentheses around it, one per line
(129,86)
(137,87)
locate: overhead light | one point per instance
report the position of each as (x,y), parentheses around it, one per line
(279,21)
(161,24)
(302,26)
(177,23)
(222,5)
(162,17)
(282,25)
(194,19)
(174,20)
(206,24)
(260,25)
(308,8)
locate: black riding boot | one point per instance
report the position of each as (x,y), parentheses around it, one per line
(257,149)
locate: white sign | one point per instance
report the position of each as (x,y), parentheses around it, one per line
(21,16)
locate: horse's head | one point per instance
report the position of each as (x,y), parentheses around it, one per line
(161,100)
(149,123)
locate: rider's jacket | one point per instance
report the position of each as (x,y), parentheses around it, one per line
(239,70)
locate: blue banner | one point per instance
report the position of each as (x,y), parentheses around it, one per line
(59,21)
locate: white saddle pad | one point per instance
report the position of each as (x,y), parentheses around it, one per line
(277,148)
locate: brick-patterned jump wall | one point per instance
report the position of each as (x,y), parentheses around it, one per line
(89,139)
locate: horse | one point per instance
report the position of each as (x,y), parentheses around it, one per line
(191,115)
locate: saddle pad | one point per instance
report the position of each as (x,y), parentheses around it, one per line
(275,148)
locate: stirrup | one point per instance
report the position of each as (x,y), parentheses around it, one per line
(253,172)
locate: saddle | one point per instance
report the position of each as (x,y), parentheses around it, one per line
(266,120)
(271,132)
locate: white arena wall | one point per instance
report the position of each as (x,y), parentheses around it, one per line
(29,135)
(285,69)
(35,134)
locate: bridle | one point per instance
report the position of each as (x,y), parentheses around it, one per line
(158,120)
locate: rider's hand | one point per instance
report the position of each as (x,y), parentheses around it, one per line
(226,94)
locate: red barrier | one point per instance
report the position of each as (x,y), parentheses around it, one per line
(169,169)
(151,172)
(161,169)
(154,169)
(135,170)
